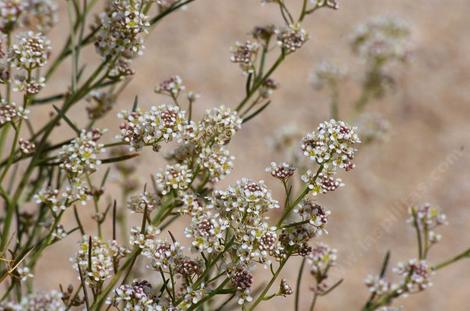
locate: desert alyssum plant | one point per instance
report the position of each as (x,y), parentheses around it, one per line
(229,230)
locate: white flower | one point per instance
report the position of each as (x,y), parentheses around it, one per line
(39,301)
(321,183)
(332,143)
(133,297)
(245,55)
(164,254)
(377,284)
(315,214)
(218,125)
(292,39)
(31,51)
(217,161)
(207,232)
(281,171)
(321,259)
(24,273)
(416,275)
(141,202)
(80,156)
(9,112)
(10,11)
(97,264)
(40,15)
(382,39)
(326,74)
(176,177)
(122,27)
(171,87)
(160,124)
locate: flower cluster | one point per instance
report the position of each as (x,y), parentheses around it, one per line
(9,112)
(332,4)
(40,15)
(372,127)
(37,15)
(382,39)
(144,240)
(188,267)
(427,218)
(81,155)
(333,143)
(28,86)
(26,147)
(321,259)
(58,201)
(316,215)
(59,233)
(248,200)
(150,128)
(378,285)
(24,273)
(121,30)
(176,177)
(135,296)
(217,161)
(416,275)
(267,87)
(203,143)
(242,279)
(326,74)
(38,301)
(322,182)
(295,238)
(191,296)
(51,198)
(31,51)
(10,11)
(164,254)
(245,55)
(218,125)
(244,207)
(171,87)
(96,258)
(143,202)
(285,289)
(281,171)
(207,231)
(292,39)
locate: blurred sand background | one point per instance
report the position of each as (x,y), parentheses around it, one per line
(426,158)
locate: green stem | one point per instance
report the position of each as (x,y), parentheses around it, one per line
(299,281)
(418,234)
(362,101)
(4,130)
(465,254)
(314,300)
(268,286)
(210,295)
(260,82)
(303,12)
(302,195)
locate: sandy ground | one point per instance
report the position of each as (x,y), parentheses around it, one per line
(424,160)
